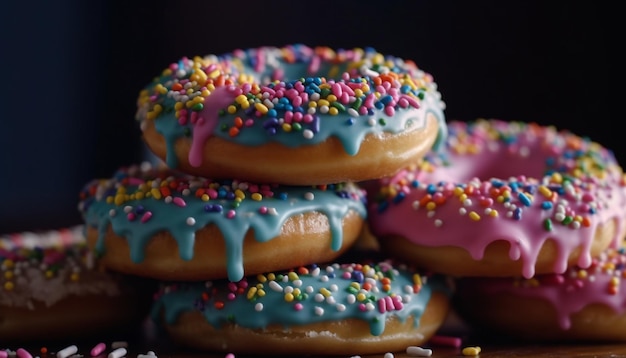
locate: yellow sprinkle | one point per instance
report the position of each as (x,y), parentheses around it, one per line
(361,297)
(241,99)
(74,276)
(431,205)
(493,213)
(312,104)
(160,88)
(417,279)
(240,194)
(178,106)
(293,276)
(251,292)
(231,109)
(260,292)
(261,108)
(49,274)
(458,191)
(271,276)
(261,278)
(296,292)
(331,98)
(286,127)
(109,199)
(325,292)
(358,92)
(557,178)
(8,274)
(474,216)
(582,274)
(471,351)
(256,197)
(355,285)
(139,195)
(156,193)
(8,263)
(9,286)
(323,102)
(289,297)
(545,191)
(205,197)
(333,111)
(615,281)
(120,199)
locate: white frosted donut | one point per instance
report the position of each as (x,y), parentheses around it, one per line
(291,115)
(503,199)
(331,309)
(52,288)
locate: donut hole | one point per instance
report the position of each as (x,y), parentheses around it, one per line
(496,161)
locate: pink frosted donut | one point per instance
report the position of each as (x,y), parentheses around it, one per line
(502,199)
(580,304)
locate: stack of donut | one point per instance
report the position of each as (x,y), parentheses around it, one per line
(528,218)
(249,217)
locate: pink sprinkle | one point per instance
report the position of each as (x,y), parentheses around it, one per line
(390,111)
(212,193)
(397,304)
(131,216)
(97,349)
(346,275)
(307,118)
(231,214)
(231,296)
(381,305)
(446,341)
(179,201)
(230,355)
(263,210)
(232,286)
(362,307)
(389,304)
(145,217)
(298,306)
(4,354)
(412,101)
(23,353)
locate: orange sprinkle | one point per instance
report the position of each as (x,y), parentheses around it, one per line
(425,199)
(177,87)
(303,271)
(238,122)
(219,305)
(165,191)
(367,286)
(233,131)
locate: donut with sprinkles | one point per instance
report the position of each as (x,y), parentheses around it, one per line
(159,223)
(292,115)
(51,287)
(578,305)
(503,199)
(330,309)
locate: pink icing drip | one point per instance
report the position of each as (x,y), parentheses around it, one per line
(220,98)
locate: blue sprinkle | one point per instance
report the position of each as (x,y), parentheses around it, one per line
(517,214)
(524,199)
(358,276)
(398,198)
(547,205)
(431,189)
(415,183)
(350,121)
(382,206)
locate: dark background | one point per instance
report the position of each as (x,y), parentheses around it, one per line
(72,71)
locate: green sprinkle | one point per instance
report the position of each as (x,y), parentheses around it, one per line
(382,121)
(547,224)
(197,107)
(568,219)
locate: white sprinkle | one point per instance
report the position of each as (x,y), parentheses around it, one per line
(275,286)
(388,355)
(438,223)
(309,196)
(67,351)
(319,311)
(323,109)
(272,211)
(418,351)
(118,353)
(462,211)
(352,112)
(371,121)
(288,289)
(334,287)
(341,307)
(330,300)
(168,199)
(128,209)
(297,283)
(308,134)
(319,297)
(112,212)
(258,307)
(191,221)
(351,298)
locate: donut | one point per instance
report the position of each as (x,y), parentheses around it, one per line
(581,304)
(291,115)
(159,223)
(502,199)
(52,288)
(330,309)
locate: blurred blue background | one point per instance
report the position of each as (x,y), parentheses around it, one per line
(71,72)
